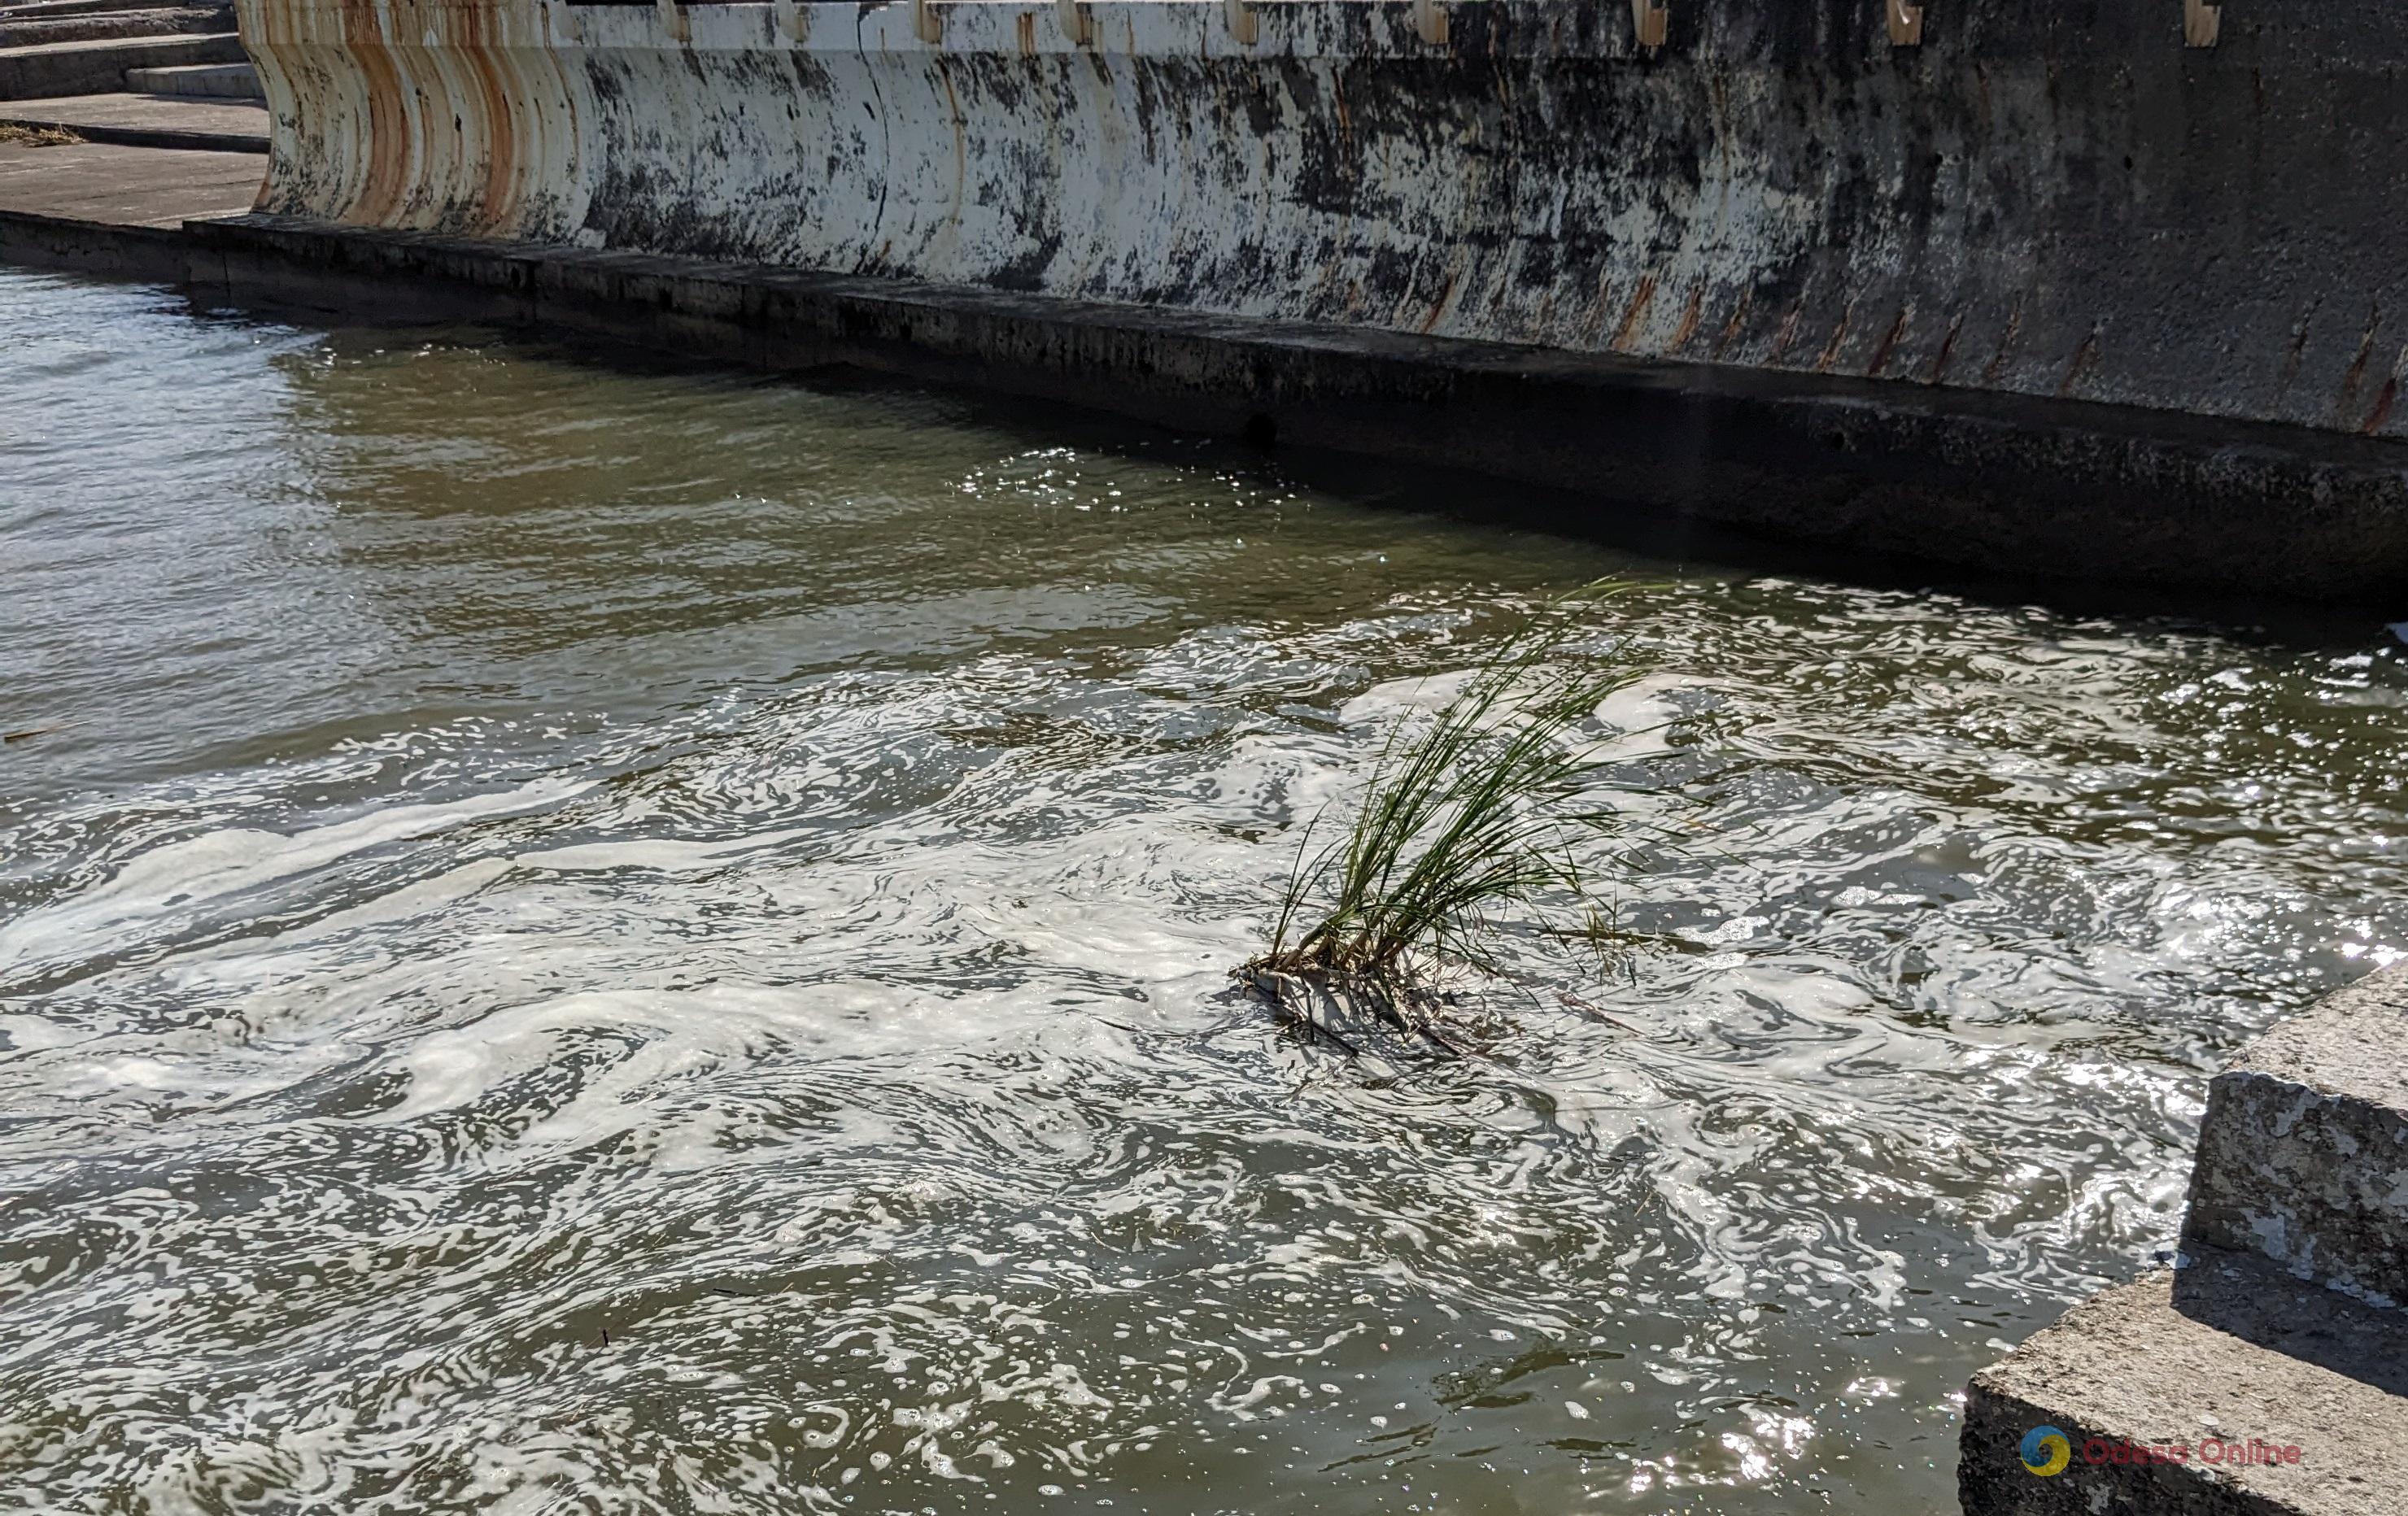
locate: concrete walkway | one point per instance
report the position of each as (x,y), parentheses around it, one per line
(149,121)
(121,186)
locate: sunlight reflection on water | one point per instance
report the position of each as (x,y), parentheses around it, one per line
(653,941)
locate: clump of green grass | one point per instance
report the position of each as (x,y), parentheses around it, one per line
(1480,814)
(20,134)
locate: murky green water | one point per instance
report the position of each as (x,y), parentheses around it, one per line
(592,941)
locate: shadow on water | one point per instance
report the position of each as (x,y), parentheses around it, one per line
(1665,540)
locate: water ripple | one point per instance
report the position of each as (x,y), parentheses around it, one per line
(591,939)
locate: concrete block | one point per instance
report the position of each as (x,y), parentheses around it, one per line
(2225,1389)
(2303,1152)
(153,254)
(212,81)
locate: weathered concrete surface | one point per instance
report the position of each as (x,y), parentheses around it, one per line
(2230,1350)
(2055,200)
(101,183)
(208,81)
(2303,1152)
(44,10)
(2280,1322)
(97,67)
(147,121)
(24,26)
(150,254)
(2000,480)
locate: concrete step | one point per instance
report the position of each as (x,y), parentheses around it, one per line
(2248,1392)
(58,68)
(208,81)
(149,121)
(39,10)
(2303,1152)
(2280,1322)
(111,25)
(34,10)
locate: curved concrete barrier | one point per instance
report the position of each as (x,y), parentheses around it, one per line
(2057,200)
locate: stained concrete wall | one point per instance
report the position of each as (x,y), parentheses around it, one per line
(2059,200)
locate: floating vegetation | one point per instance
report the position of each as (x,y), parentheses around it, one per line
(1480,814)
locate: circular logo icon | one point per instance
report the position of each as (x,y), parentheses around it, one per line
(2045,1450)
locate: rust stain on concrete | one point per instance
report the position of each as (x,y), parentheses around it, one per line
(1947,349)
(1830,354)
(2382,411)
(1787,337)
(1626,336)
(1564,182)
(2356,374)
(389,147)
(1688,326)
(1887,345)
(2085,357)
(1738,319)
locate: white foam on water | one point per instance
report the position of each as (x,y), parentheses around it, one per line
(830,1087)
(177,883)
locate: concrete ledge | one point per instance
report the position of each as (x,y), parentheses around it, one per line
(141,121)
(2303,1152)
(2060,487)
(2227,1351)
(168,139)
(199,81)
(26,27)
(102,183)
(150,254)
(98,67)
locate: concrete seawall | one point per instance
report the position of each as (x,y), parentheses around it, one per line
(2053,201)
(1999,481)
(1995,480)
(2045,291)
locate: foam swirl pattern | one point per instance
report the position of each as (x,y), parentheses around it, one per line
(602,939)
